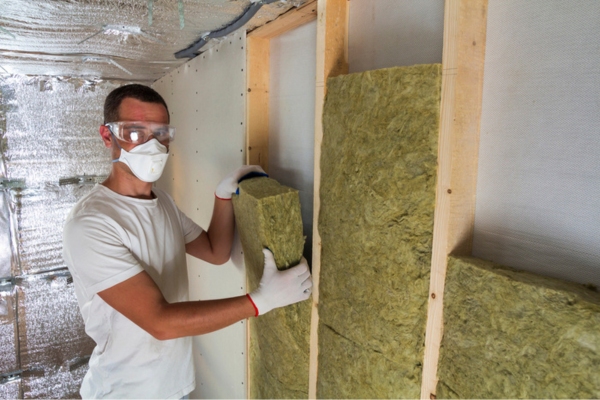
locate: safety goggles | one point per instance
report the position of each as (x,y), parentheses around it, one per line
(138,132)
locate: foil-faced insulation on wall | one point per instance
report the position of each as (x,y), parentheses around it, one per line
(52,128)
(268,215)
(513,334)
(51,331)
(8,262)
(52,155)
(55,383)
(41,214)
(54,349)
(378,174)
(8,328)
(10,389)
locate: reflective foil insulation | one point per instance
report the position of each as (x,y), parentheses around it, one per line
(51,336)
(115,39)
(52,155)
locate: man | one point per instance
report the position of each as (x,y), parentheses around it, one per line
(125,245)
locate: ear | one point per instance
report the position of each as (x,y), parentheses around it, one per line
(106,136)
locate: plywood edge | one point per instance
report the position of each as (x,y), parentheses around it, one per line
(292,19)
(257,108)
(332,60)
(465,24)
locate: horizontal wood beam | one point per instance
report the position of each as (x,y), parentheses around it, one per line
(286,22)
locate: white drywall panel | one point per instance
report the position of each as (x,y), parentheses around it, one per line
(538,190)
(393,33)
(292,116)
(206,99)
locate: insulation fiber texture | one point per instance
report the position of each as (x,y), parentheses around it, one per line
(512,334)
(268,215)
(378,173)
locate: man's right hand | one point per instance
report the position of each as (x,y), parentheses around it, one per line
(281,288)
(229,184)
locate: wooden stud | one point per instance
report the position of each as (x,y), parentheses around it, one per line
(465,23)
(258,52)
(332,60)
(257,107)
(292,19)
(257,131)
(257,121)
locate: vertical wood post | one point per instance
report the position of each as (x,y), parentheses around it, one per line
(465,23)
(332,60)
(257,121)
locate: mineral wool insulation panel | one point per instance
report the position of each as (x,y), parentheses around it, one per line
(378,168)
(538,189)
(268,215)
(206,99)
(512,334)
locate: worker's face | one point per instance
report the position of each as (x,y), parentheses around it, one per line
(134,110)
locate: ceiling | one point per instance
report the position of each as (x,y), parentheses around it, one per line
(133,40)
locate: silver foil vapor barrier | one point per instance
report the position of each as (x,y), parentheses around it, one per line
(52,340)
(52,155)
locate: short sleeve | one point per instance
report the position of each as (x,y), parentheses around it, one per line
(96,255)
(191,230)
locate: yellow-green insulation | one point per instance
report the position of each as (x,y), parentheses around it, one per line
(268,215)
(378,176)
(512,334)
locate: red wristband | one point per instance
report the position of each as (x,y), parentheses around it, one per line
(253,305)
(220,198)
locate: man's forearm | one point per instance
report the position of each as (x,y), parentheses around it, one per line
(221,230)
(199,317)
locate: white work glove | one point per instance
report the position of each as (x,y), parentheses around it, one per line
(229,185)
(281,288)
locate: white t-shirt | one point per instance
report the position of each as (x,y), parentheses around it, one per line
(109,238)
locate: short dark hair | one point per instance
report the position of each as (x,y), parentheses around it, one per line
(135,91)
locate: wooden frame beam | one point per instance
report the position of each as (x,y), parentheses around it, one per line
(257,107)
(332,60)
(258,44)
(286,22)
(465,23)
(258,70)
(460,114)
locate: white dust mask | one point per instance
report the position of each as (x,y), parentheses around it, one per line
(146,160)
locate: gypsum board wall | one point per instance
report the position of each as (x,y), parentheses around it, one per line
(513,334)
(268,215)
(378,168)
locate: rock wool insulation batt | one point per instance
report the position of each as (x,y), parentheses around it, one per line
(511,334)
(378,175)
(268,215)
